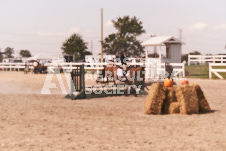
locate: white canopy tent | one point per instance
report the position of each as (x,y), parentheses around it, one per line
(33,58)
(44,58)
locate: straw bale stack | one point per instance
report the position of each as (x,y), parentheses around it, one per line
(174,108)
(170,98)
(185,99)
(188,100)
(203,104)
(154,101)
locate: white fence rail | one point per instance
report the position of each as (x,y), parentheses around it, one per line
(216,71)
(10,66)
(178,68)
(153,70)
(194,59)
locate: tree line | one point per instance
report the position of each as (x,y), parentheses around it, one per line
(127,31)
(8,53)
(125,37)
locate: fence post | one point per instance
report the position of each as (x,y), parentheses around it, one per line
(83,78)
(210,71)
(183,69)
(189,60)
(72,83)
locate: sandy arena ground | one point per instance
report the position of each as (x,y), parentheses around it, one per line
(31,121)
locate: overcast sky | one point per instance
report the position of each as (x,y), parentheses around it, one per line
(42,25)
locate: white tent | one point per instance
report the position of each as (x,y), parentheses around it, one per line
(33,58)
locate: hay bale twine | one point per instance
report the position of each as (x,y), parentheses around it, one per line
(154,100)
(174,108)
(203,104)
(170,98)
(187,98)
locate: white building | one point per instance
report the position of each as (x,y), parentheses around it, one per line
(168,48)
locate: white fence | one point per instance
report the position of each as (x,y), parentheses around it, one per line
(178,69)
(12,66)
(153,69)
(200,59)
(216,71)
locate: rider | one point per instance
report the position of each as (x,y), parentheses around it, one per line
(124,60)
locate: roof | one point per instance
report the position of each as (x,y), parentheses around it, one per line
(161,40)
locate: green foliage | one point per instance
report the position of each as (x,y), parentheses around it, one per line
(153,55)
(75,46)
(125,37)
(25,53)
(197,71)
(1,57)
(195,53)
(8,52)
(128,26)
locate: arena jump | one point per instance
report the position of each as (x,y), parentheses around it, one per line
(81,91)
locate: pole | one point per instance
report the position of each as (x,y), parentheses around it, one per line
(101,34)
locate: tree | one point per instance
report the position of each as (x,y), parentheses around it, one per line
(195,53)
(8,52)
(25,53)
(153,55)
(1,57)
(125,37)
(75,46)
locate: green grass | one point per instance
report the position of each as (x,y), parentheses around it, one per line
(202,71)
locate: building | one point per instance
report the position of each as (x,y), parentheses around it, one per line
(168,48)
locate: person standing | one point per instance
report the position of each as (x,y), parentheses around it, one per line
(124,57)
(35,66)
(124,61)
(26,69)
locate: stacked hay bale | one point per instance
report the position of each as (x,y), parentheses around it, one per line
(170,104)
(203,104)
(174,108)
(154,101)
(185,99)
(188,100)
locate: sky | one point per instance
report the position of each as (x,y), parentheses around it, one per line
(41,26)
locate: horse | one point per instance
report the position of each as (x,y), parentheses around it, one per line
(136,73)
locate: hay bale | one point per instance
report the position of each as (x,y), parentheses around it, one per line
(174,108)
(154,100)
(170,97)
(171,94)
(203,104)
(187,98)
